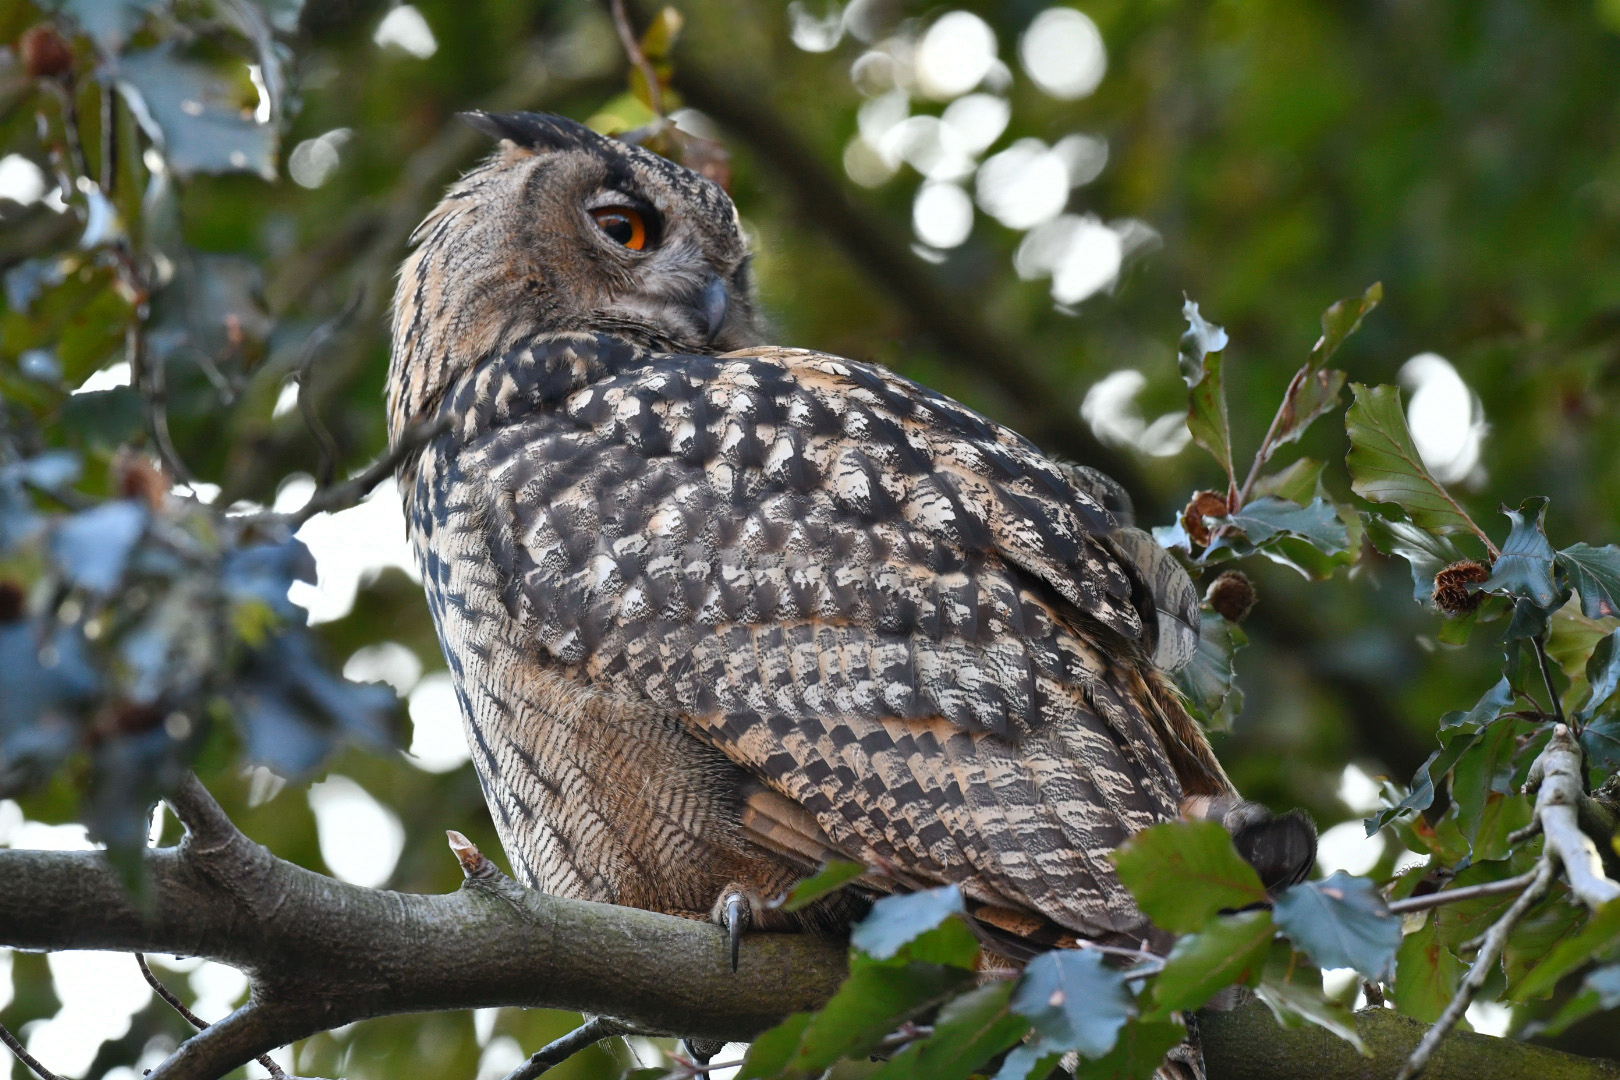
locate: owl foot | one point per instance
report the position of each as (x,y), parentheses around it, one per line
(734,913)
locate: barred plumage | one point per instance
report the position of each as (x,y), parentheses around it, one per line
(718,611)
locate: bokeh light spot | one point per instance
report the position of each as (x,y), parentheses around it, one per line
(1063,53)
(954,55)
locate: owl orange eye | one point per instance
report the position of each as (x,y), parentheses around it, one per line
(623,225)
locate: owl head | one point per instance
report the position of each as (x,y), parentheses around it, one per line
(562,229)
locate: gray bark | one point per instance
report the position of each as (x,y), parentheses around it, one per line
(322,954)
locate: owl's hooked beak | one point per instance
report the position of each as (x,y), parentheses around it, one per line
(714,303)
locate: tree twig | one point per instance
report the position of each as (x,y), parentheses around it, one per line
(1546,677)
(314,345)
(1484,964)
(1467,892)
(638,56)
(349,493)
(174,1002)
(560,1050)
(24,1056)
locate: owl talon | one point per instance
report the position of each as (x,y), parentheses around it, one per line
(737,917)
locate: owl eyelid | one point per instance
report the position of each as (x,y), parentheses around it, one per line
(648,226)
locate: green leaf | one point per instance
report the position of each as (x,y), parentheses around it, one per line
(1551,922)
(1600,739)
(952,943)
(1075,1000)
(1314,390)
(1464,920)
(1032,1061)
(1603,671)
(191,110)
(970,1030)
(109,23)
(771,1051)
(896,921)
(1318,523)
(1229,949)
(1599,991)
(1572,638)
(1529,620)
(1341,922)
(1292,989)
(1427,553)
(1600,934)
(872,1002)
(1298,483)
(829,879)
(1595,573)
(1209,680)
(1207,419)
(1183,872)
(1485,769)
(104,419)
(1341,320)
(1137,1054)
(1497,700)
(1427,974)
(1385,466)
(1525,567)
(1421,795)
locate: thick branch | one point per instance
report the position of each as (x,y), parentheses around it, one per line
(1558,802)
(323,953)
(1247,1044)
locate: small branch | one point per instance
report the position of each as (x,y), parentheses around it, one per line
(168,995)
(1469,892)
(192,1018)
(314,345)
(1546,677)
(1558,771)
(1484,964)
(560,1050)
(24,1056)
(353,490)
(632,48)
(208,827)
(147,376)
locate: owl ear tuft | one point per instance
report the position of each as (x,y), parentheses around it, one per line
(534,131)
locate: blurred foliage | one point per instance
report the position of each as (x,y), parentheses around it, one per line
(233,184)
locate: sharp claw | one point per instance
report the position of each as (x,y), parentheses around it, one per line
(734,925)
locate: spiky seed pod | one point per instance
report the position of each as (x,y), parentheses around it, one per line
(1231,595)
(45,54)
(1451,593)
(1202,505)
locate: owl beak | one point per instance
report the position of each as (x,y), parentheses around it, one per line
(714,303)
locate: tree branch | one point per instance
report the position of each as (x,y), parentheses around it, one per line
(1558,772)
(1247,1044)
(323,954)
(1484,964)
(1468,892)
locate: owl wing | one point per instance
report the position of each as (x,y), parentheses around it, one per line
(892,611)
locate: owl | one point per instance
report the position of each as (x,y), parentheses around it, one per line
(718,611)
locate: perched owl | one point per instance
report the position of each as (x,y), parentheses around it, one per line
(718,611)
